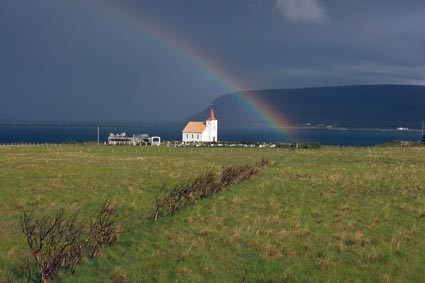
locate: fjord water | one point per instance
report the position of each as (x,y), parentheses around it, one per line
(61,134)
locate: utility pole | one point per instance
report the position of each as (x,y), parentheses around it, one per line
(98,131)
(423,129)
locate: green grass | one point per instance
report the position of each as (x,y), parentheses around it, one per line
(327,215)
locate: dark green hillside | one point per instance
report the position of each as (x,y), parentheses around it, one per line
(362,106)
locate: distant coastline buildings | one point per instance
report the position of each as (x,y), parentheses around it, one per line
(195,131)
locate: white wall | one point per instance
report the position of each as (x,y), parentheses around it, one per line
(192,137)
(212,126)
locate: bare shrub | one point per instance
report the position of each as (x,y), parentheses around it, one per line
(203,186)
(59,241)
(232,175)
(159,205)
(105,229)
(55,241)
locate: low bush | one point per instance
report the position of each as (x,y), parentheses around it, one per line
(203,186)
(58,241)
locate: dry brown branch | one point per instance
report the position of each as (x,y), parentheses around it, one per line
(54,241)
(57,241)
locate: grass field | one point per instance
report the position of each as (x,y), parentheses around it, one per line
(322,215)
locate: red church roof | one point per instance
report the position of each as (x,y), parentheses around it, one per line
(212,117)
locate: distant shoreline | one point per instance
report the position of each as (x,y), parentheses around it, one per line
(324,128)
(111,124)
(130,124)
(357,129)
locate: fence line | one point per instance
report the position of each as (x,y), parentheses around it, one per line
(166,148)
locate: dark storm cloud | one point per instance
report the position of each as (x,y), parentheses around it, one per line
(87,60)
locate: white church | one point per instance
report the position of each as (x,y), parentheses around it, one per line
(201,131)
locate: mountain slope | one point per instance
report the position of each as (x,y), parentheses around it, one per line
(362,106)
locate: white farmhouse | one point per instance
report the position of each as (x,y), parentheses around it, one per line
(201,131)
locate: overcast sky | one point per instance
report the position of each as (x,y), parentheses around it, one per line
(125,60)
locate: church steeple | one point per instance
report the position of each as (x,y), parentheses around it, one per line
(212,117)
(211,126)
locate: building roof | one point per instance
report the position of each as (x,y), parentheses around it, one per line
(194,127)
(212,117)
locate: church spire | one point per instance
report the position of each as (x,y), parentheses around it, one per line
(212,117)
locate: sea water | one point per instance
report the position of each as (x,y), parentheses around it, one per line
(61,134)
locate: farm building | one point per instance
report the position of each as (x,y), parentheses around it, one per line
(195,131)
(123,139)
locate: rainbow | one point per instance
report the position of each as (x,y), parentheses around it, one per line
(204,63)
